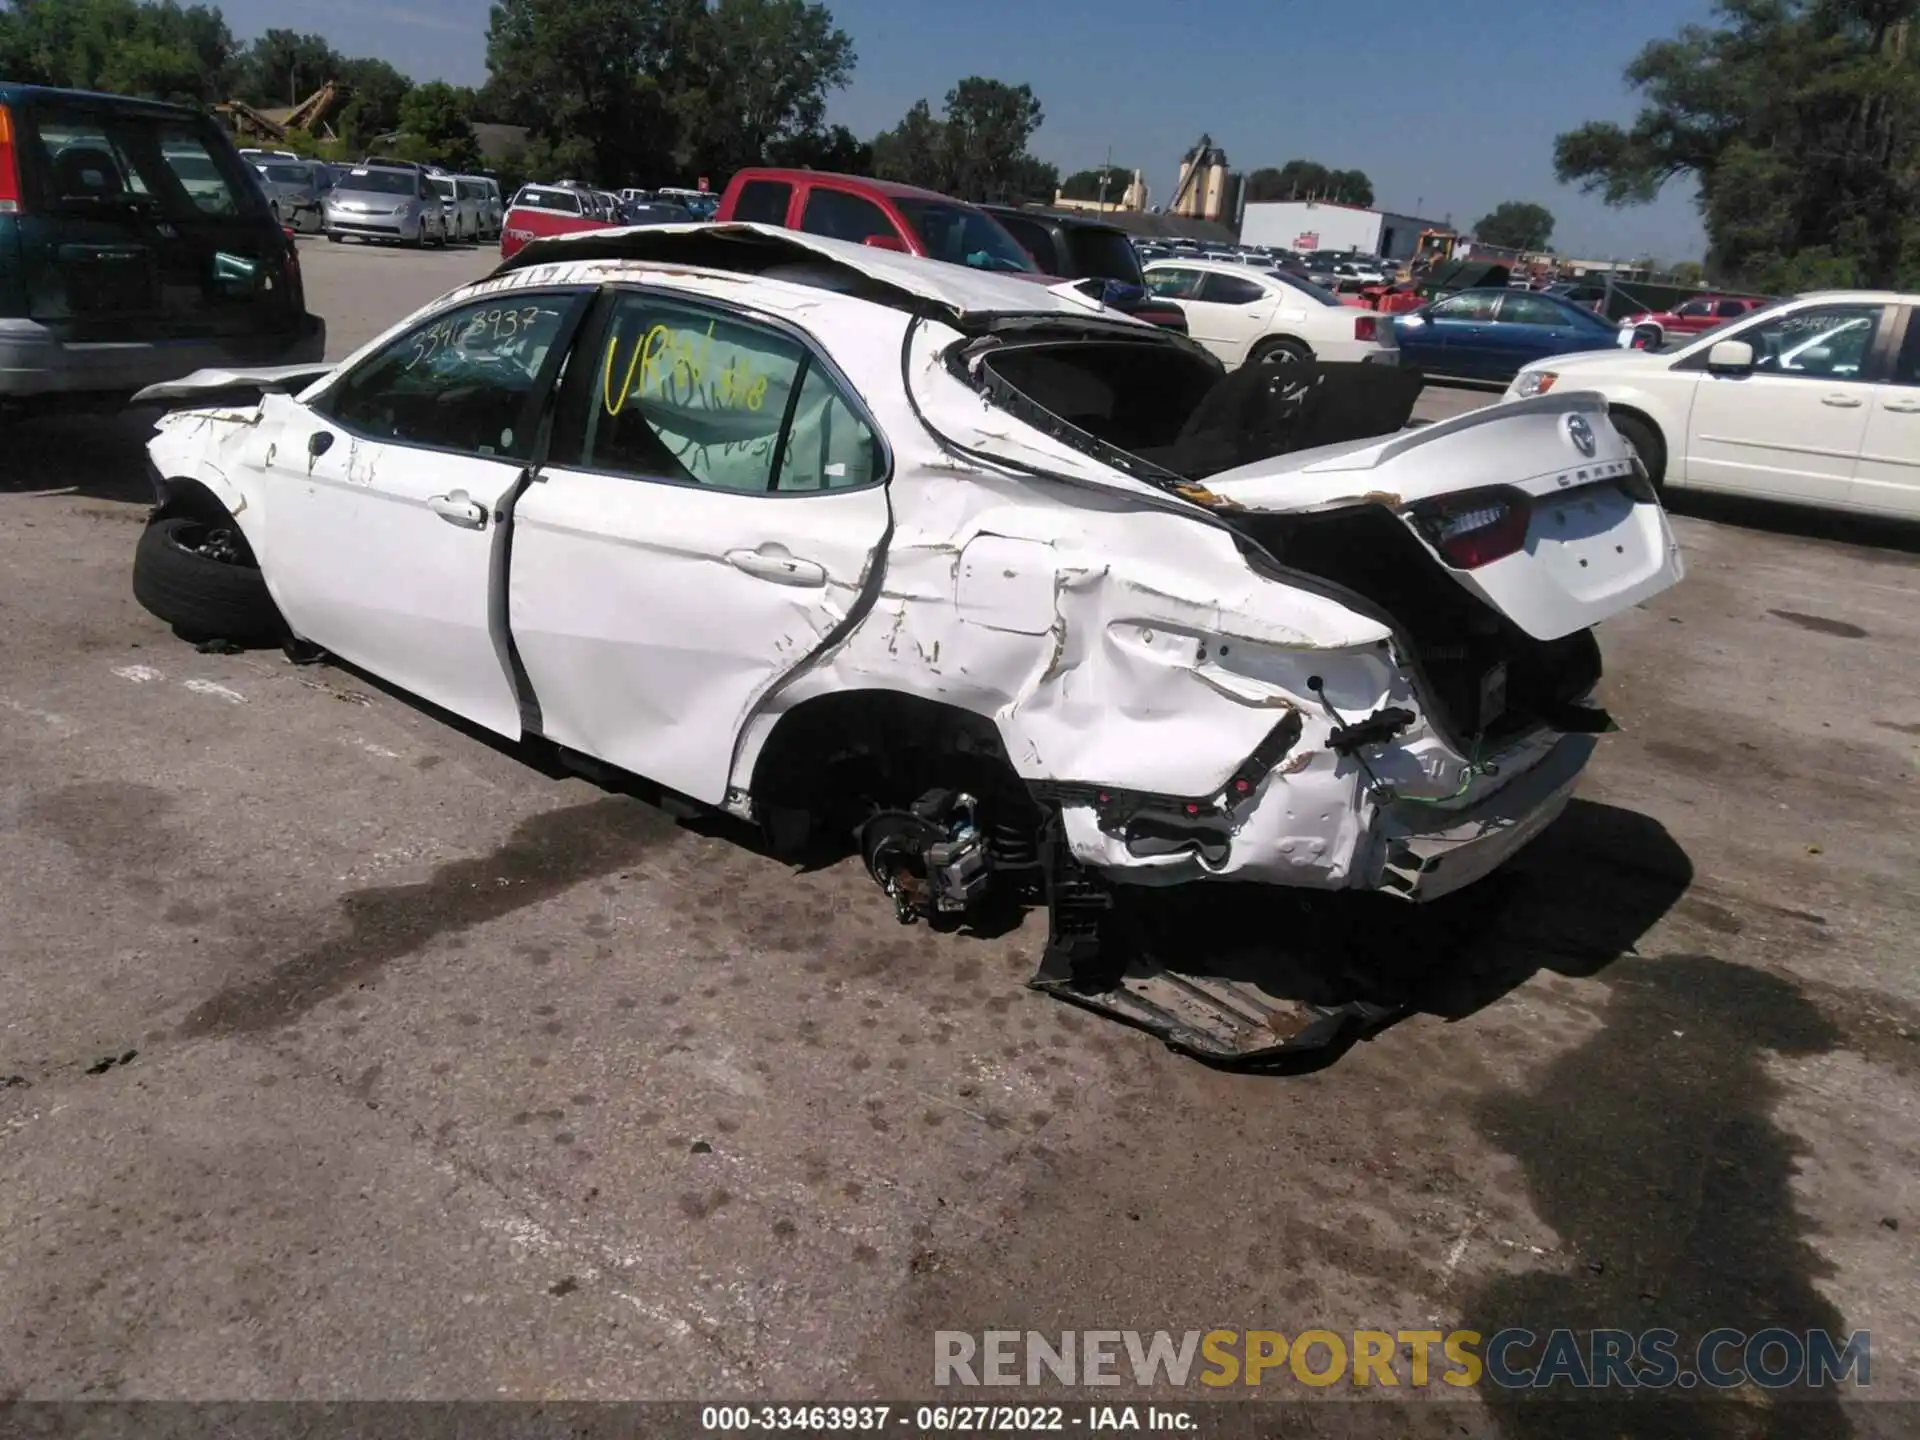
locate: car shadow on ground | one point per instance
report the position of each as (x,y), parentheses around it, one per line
(1571,903)
(1577,899)
(1799,521)
(102,457)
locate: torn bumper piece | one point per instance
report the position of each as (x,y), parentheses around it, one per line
(1231,1023)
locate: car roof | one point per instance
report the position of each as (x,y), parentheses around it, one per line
(892,189)
(353,170)
(1061,218)
(12,92)
(735,247)
(1224,267)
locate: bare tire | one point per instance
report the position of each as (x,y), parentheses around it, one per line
(1646,443)
(1281,351)
(201,579)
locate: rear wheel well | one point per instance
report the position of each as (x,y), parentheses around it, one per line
(832,760)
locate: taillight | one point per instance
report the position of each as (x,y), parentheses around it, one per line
(1474,527)
(9,166)
(1366,327)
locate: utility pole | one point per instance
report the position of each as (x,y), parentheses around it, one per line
(1106,172)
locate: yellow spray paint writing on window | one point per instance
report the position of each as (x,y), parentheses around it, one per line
(673,364)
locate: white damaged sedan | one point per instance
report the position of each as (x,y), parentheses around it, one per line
(1020,594)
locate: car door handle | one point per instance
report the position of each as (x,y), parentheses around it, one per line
(457,509)
(1904,407)
(1841,402)
(772,562)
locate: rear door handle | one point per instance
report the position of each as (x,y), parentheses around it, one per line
(458,509)
(1841,402)
(772,562)
(1904,407)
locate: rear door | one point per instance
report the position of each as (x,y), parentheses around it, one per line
(712,515)
(144,225)
(1792,428)
(1888,477)
(382,499)
(1529,327)
(1229,314)
(842,215)
(762,201)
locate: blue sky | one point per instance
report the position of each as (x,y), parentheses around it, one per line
(1450,107)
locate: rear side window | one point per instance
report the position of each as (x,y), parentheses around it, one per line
(1231,290)
(1037,242)
(688,395)
(842,216)
(1906,370)
(763,201)
(89,162)
(1174,283)
(1105,253)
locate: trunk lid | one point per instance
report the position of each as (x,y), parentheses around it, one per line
(141,223)
(1572,533)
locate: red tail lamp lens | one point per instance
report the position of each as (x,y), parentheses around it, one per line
(1475,527)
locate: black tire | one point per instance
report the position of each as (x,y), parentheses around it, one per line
(1283,350)
(335,236)
(1646,443)
(201,597)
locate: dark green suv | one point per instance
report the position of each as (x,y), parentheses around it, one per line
(135,246)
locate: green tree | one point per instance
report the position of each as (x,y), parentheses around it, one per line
(1085,184)
(283,67)
(1516,225)
(158,50)
(766,68)
(1309,180)
(914,151)
(1799,120)
(374,92)
(835,149)
(977,152)
(436,118)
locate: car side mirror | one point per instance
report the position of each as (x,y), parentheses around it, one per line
(319,443)
(886,242)
(1730,357)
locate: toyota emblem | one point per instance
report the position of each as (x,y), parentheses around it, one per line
(1581,433)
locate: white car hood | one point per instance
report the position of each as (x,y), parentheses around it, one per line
(288,379)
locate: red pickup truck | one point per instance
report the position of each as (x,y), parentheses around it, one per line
(542,210)
(890,216)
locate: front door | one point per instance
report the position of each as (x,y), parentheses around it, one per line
(1792,428)
(1888,477)
(715,508)
(1450,336)
(382,499)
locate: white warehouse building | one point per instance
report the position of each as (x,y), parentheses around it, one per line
(1323,225)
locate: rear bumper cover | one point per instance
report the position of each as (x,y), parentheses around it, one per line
(34,360)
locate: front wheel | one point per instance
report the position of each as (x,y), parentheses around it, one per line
(201,579)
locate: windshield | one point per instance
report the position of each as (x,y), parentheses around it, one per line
(962,235)
(380,182)
(1305,287)
(289,174)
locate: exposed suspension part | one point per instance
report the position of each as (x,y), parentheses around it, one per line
(932,859)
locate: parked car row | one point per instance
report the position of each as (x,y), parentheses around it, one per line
(300,193)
